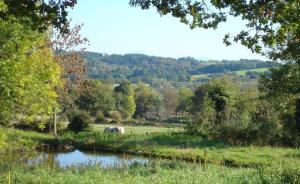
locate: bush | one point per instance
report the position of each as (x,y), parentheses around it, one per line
(279,174)
(79,122)
(100,117)
(60,126)
(116,116)
(2,139)
(36,124)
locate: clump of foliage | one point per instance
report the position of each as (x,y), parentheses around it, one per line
(281,89)
(3,138)
(185,99)
(28,73)
(73,67)
(124,94)
(223,110)
(100,117)
(95,97)
(79,121)
(39,15)
(147,101)
(116,116)
(272,27)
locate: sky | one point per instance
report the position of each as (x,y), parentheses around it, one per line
(113,27)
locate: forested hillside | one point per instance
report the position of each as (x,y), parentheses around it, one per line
(138,67)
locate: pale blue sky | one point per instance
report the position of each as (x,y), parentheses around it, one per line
(112,26)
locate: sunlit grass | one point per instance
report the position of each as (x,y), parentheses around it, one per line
(131,129)
(156,172)
(168,144)
(258,70)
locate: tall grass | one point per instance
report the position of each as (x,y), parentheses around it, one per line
(169,145)
(163,172)
(184,147)
(268,165)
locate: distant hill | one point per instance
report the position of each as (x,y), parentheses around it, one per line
(139,67)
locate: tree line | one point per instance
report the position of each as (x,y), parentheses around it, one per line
(221,109)
(138,67)
(131,102)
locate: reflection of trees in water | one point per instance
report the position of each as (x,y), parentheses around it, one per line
(121,156)
(50,160)
(11,159)
(45,159)
(105,160)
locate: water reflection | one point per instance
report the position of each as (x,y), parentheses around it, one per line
(79,158)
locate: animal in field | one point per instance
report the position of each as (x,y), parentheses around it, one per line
(119,130)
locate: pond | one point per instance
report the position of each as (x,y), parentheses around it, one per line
(82,158)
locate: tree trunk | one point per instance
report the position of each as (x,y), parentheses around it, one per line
(297,115)
(54,122)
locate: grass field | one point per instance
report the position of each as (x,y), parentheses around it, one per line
(132,129)
(161,145)
(219,162)
(200,76)
(240,72)
(184,147)
(243,72)
(159,172)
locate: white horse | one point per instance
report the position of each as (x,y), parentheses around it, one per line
(119,130)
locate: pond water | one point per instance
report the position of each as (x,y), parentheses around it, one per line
(80,158)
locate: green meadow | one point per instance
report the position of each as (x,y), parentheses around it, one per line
(176,158)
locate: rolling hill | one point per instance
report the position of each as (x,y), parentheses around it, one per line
(139,67)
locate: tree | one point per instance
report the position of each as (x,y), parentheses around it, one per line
(38,14)
(96,97)
(204,114)
(125,99)
(273,25)
(281,88)
(28,73)
(225,111)
(146,100)
(79,122)
(125,88)
(185,99)
(214,103)
(170,99)
(73,66)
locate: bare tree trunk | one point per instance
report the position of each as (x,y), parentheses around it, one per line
(54,122)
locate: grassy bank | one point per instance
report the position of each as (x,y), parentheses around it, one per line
(184,147)
(271,165)
(163,172)
(160,145)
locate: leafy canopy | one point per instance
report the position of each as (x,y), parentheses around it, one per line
(125,99)
(146,99)
(28,72)
(39,14)
(272,27)
(96,97)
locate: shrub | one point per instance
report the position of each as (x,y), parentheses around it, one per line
(79,122)
(61,125)
(279,174)
(2,139)
(116,116)
(100,117)
(36,124)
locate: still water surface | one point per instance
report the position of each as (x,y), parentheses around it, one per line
(80,158)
